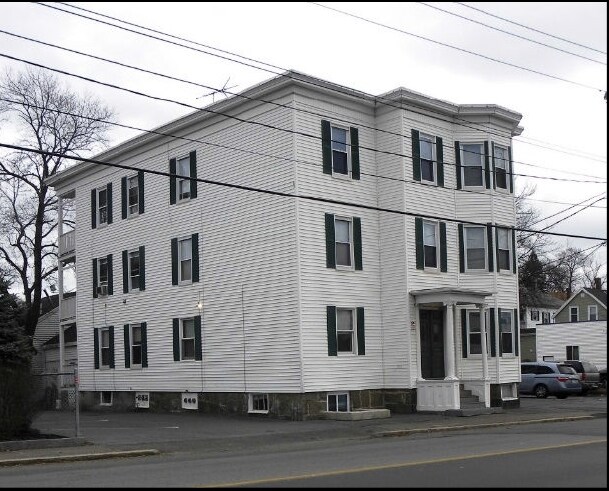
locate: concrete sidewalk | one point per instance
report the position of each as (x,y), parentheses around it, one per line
(121,435)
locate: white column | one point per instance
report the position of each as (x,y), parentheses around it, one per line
(417,341)
(60,293)
(449,345)
(482,308)
(456,353)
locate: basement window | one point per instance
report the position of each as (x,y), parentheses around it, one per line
(105,398)
(338,403)
(258,403)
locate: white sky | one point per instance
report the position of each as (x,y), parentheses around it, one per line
(360,55)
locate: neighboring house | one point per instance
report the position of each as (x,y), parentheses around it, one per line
(588,304)
(196,295)
(530,317)
(50,350)
(47,327)
(586,340)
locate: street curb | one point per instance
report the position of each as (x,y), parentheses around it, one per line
(78,457)
(474,427)
(42,443)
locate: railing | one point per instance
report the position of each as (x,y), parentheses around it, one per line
(67,308)
(67,243)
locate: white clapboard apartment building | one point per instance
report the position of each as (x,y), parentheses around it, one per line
(195,295)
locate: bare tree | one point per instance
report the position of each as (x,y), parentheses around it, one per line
(49,117)
(527,217)
(591,272)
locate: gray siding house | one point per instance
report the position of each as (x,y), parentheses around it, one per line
(588,304)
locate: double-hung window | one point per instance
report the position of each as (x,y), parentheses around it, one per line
(136,345)
(102,275)
(134,270)
(474,337)
(427,149)
(185,260)
(345,332)
(430,244)
(592,312)
(102,206)
(133,194)
(504,250)
(506,331)
(343,234)
(340,153)
(545,317)
(574,314)
(104,347)
(187,339)
(472,162)
(182,181)
(502,166)
(475,248)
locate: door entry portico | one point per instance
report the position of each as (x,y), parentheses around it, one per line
(432,344)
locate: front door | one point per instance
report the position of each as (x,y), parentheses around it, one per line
(432,344)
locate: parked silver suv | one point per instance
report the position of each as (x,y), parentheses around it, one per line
(548,378)
(588,374)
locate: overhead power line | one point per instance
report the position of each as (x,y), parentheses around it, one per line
(283,72)
(570,207)
(258,123)
(530,28)
(239,95)
(511,33)
(278,193)
(490,58)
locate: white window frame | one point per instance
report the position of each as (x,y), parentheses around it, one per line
(139,275)
(574,346)
(469,333)
(463,166)
(506,167)
(180,180)
(571,313)
(258,397)
(100,333)
(353,331)
(424,137)
(132,345)
(351,243)
(545,315)
(336,395)
(101,283)
(509,249)
(590,307)
(512,332)
(182,339)
(535,315)
(484,240)
(101,398)
(99,207)
(436,227)
(133,210)
(180,259)
(347,150)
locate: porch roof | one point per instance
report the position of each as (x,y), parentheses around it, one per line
(445,295)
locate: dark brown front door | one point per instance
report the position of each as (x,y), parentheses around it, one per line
(432,344)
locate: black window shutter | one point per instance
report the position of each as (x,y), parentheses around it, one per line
(443,250)
(93,208)
(127,345)
(174,261)
(172,181)
(354,153)
(493,332)
(110,275)
(487,166)
(94,278)
(144,345)
(361,336)
(109,191)
(326,146)
(418,238)
(458,163)
(96,347)
(124,197)
(125,272)
(493,165)
(513,251)
(464,333)
(330,242)
(511,170)
(195,258)
(142,268)
(193,174)
(416,155)
(489,246)
(111,336)
(357,243)
(331,314)
(198,347)
(516,331)
(461,249)
(176,339)
(440,160)
(140,185)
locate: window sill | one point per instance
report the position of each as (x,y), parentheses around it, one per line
(257,411)
(344,268)
(344,177)
(432,270)
(131,216)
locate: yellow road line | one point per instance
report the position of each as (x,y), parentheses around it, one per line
(403,464)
